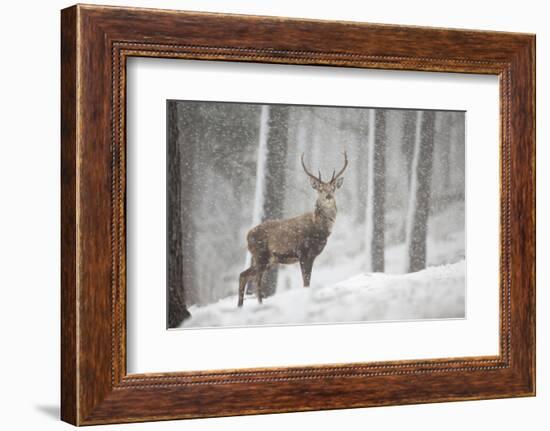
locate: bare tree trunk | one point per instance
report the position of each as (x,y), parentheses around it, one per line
(275,179)
(258,210)
(361,166)
(180,235)
(445,142)
(376,190)
(409,136)
(420,191)
(270,178)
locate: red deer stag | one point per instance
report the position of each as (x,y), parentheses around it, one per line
(299,239)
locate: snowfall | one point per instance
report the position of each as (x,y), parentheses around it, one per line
(433,293)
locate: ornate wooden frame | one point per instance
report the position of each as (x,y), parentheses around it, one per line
(95,43)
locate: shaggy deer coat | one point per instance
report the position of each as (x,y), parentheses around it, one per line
(296,240)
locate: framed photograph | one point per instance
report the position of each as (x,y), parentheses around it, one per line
(264,214)
(247,205)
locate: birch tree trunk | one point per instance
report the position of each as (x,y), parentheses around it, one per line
(376,188)
(420,192)
(258,211)
(180,235)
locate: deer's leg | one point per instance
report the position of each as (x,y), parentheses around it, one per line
(249,288)
(258,281)
(244,278)
(306,264)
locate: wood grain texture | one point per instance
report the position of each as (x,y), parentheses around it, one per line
(69,397)
(96,41)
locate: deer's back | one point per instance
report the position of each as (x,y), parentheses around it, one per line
(285,239)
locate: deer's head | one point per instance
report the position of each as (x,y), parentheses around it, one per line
(326,189)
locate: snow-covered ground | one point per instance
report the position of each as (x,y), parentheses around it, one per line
(437,292)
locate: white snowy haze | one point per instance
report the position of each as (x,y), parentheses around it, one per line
(397,247)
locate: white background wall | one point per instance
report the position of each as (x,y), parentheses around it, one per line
(29,214)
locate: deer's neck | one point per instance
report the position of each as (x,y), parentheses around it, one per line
(325,215)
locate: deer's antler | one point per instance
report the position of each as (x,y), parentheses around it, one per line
(308,173)
(335,177)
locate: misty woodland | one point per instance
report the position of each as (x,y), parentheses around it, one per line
(288,214)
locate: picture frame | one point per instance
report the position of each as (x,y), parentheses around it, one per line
(96,42)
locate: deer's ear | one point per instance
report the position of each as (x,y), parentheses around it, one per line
(339,182)
(314,183)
